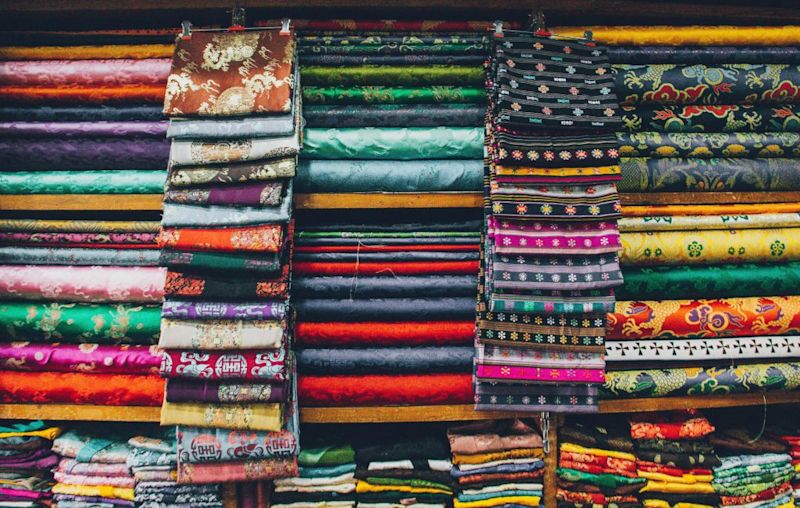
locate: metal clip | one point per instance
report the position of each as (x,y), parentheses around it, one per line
(186,29)
(546,431)
(498,29)
(285,22)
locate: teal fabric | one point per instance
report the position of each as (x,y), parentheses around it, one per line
(83,182)
(389,176)
(465,498)
(78,256)
(326,471)
(412,143)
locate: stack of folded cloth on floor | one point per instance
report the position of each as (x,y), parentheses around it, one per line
(596,465)
(674,454)
(93,470)
(385,307)
(789,434)
(550,260)
(153,462)
(326,479)
(26,464)
(709,145)
(404,469)
(755,469)
(226,239)
(79,114)
(497,463)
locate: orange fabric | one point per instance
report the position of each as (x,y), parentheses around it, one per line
(388,269)
(86,52)
(80,388)
(727,209)
(93,94)
(266,238)
(422,389)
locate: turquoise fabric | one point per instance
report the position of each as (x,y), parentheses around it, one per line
(412,143)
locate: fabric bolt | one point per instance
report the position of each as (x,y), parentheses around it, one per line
(214,445)
(87,52)
(250,366)
(82,283)
(399,143)
(587,272)
(553,375)
(689,424)
(392,115)
(523,357)
(43,154)
(269,126)
(224,334)
(314,95)
(84,72)
(256,171)
(514,237)
(386,256)
(383,333)
(391,75)
(320,176)
(81,388)
(78,256)
(540,151)
(200,216)
(131,129)
(581,333)
(267,237)
(214,260)
(341,59)
(384,360)
(703,222)
(43,226)
(226,151)
(14,95)
(185,390)
(54,238)
(215,472)
(408,286)
(249,194)
(692,35)
(558,302)
(359,268)
(263,417)
(92,358)
(215,287)
(367,390)
(706,145)
(221,310)
(226,74)
(730,118)
(384,309)
(701,210)
(703,54)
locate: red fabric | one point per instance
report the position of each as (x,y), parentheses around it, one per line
(689,424)
(428,333)
(387,248)
(398,268)
(500,477)
(79,388)
(764,495)
(423,389)
(653,467)
(600,460)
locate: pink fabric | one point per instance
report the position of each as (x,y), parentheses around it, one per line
(72,466)
(538,237)
(98,238)
(87,479)
(24,494)
(150,71)
(543,375)
(83,283)
(92,358)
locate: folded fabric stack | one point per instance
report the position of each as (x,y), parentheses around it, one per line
(226,239)
(497,463)
(755,469)
(791,437)
(674,454)
(154,462)
(26,463)
(93,470)
(326,479)
(385,299)
(596,465)
(550,256)
(710,121)
(404,470)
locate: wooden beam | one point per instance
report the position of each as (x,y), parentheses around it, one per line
(707,198)
(397,414)
(41,202)
(74,412)
(699,402)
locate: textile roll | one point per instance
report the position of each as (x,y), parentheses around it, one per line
(82,182)
(377,269)
(384,390)
(115,72)
(394,49)
(705,222)
(711,246)
(82,283)
(14,95)
(422,359)
(78,323)
(711,175)
(265,417)
(95,113)
(221,334)
(723,35)
(342,59)
(762,348)
(80,388)
(99,359)
(511,237)
(314,176)
(385,309)
(271,126)
(244,471)
(516,397)
(716,281)
(267,238)
(250,261)
(704,54)
(393,115)
(406,143)
(737,209)
(204,152)
(65,255)
(525,357)
(219,310)
(759,118)
(393,25)
(36,226)
(102,52)
(694,319)
(184,390)
(177,215)
(706,145)
(265,170)
(410,41)
(214,287)
(383,333)
(387,95)
(249,194)
(377,287)
(72,154)
(131,129)
(246,365)
(392,75)
(257,445)
(387,256)
(700,381)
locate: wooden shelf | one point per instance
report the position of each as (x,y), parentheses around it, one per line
(397,414)
(389,200)
(42,202)
(707,198)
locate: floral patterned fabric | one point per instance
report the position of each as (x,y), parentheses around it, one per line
(81,388)
(394,115)
(706,145)
(390,75)
(131,360)
(271,169)
(224,365)
(212,445)
(82,182)
(759,118)
(214,334)
(388,95)
(409,143)
(265,238)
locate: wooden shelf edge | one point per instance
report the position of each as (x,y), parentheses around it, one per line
(42,202)
(74,412)
(699,402)
(325,201)
(399,414)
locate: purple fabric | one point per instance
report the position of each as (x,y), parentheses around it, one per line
(184,390)
(21,494)
(248,194)
(92,358)
(76,154)
(38,459)
(217,310)
(83,129)
(93,499)
(123,71)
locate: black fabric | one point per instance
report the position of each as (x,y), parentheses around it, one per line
(347,287)
(386,309)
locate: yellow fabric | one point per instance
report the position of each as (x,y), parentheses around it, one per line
(363,486)
(94,491)
(267,417)
(678,488)
(660,503)
(711,247)
(48,433)
(790,504)
(533,171)
(573,448)
(497,501)
(688,35)
(728,209)
(480,458)
(686,478)
(797,467)
(86,52)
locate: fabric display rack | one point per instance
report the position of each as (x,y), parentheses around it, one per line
(312,261)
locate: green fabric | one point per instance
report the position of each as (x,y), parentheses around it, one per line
(713,281)
(752,487)
(74,323)
(744,474)
(411,482)
(326,456)
(82,182)
(22,426)
(326,471)
(412,143)
(211,260)
(393,75)
(373,49)
(609,481)
(384,95)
